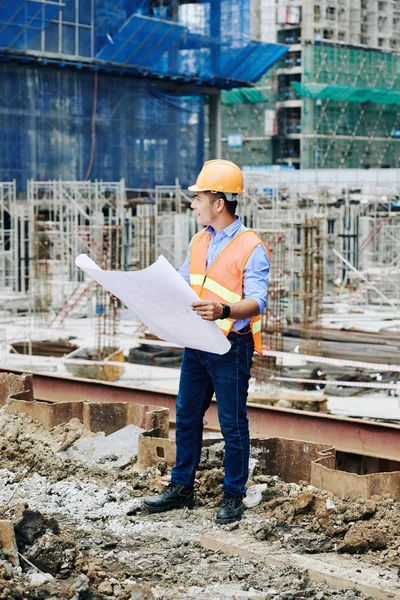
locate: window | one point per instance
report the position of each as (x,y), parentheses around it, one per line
(68,12)
(52,37)
(68,39)
(85,12)
(328,34)
(341,36)
(381,42)
(317,13)
(382,23)
(331,13)
(84,41)
(364,40)
(71,31)
(382,6)
(364,4)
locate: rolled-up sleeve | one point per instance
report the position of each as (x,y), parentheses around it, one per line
(256,275)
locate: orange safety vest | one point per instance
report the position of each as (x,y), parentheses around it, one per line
(223,280)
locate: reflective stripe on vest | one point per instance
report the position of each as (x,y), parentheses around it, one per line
(225,324)
(228,269)
(214,286)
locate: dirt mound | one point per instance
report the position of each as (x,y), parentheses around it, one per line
(86,536)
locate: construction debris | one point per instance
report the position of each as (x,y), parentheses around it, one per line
(84,526)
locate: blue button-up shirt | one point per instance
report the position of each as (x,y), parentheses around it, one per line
(256,271)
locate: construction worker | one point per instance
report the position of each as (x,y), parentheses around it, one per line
(228,267)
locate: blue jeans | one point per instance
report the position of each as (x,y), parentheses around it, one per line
(228,375)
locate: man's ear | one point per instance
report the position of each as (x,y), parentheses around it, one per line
(220,204)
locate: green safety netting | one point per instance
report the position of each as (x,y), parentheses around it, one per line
(345,93)
(244,95)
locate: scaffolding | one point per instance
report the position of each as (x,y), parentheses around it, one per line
(345,95)
(351,112)
(334,97)
(349,252)
(273,318)
(65,219)
(175,224)
(248,123)
(8,237)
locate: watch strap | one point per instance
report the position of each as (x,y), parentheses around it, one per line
(226,311)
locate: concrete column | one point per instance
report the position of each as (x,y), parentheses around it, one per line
(215,126)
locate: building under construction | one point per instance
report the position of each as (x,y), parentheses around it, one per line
(333,100)
(110,90)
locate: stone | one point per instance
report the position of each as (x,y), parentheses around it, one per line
(330,505)
(361,537)
(30,524)
(304,502)
(106,588)
(114,450)
(39,578)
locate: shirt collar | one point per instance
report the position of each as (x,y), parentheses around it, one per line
(228,231)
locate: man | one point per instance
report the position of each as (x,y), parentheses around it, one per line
(228,267)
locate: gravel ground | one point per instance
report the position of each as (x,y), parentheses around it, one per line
(83,524)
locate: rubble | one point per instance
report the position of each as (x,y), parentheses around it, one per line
(84,532)
(114,450)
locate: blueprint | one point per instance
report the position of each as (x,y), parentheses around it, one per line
(161,299)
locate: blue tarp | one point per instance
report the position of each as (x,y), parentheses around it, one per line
(165,48)
(204,42)
(142,41)
(142,134)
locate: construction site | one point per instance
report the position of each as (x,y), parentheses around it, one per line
(109,110)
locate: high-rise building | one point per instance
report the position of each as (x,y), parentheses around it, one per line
(336,93)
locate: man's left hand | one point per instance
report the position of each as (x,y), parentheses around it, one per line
(208,310)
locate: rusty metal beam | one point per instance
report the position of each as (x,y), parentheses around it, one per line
(356,436)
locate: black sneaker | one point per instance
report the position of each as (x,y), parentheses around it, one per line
(175,495)
(231,510)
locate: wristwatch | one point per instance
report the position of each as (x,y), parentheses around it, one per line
(226,311)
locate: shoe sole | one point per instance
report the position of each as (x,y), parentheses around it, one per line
(227,521)
(159,509)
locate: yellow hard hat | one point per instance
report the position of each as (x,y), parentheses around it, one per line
(219,176)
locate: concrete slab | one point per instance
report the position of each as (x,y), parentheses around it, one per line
(337,571)
(153,450)
(114,450)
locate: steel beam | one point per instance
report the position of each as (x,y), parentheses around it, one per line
(356,436)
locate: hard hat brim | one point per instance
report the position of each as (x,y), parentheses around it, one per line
(196,188)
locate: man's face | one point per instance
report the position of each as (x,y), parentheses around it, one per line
(205,208)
